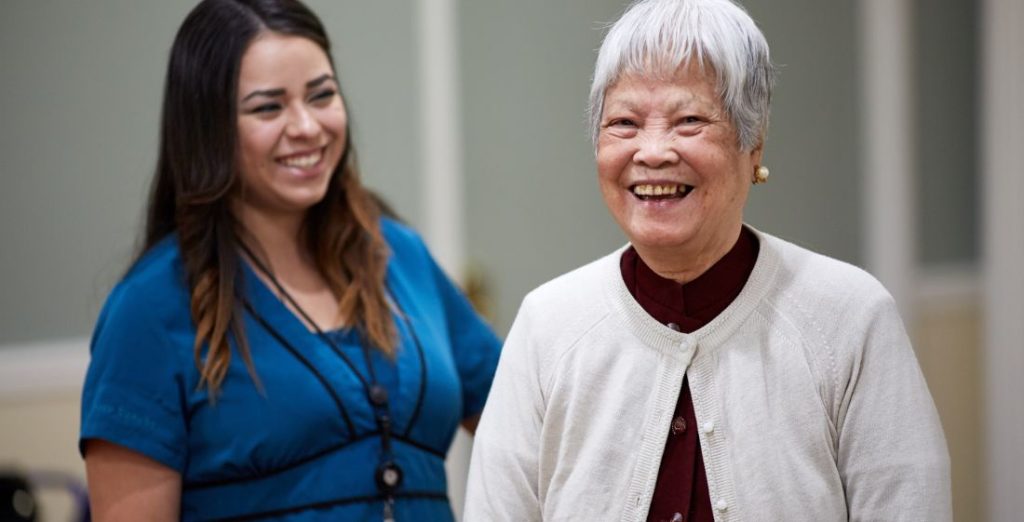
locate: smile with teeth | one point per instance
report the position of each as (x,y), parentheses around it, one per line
(302,161)
(649,191)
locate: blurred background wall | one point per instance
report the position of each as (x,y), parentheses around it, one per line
(890,147)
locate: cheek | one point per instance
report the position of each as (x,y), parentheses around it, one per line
(603,170)
(732,192)
(337,126)
(335,121)
(723,174)
(611,163)
(255,144)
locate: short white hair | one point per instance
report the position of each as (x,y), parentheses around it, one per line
(657,37)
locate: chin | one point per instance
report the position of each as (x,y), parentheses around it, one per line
(657,243)
(658,235)
(305,202)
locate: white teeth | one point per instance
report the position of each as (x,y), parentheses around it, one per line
(656,190)
(302,161)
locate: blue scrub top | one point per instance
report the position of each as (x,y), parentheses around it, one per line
(306,446)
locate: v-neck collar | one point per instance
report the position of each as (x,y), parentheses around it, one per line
(273,309)
(408,384)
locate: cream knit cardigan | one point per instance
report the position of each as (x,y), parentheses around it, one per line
(810,403)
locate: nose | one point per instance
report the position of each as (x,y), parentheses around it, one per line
(302,123)
(655,150)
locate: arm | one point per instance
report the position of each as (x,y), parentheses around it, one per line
(474,347)
(134,435)
(127,486)
(470,424)
(892,453)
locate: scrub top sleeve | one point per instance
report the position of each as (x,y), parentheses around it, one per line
(475,348)
(134,389)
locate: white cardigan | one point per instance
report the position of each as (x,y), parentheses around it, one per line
(809,401)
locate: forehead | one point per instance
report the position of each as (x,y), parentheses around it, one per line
(278,60)
(685,84)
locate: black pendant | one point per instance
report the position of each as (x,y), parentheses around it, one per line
(389,476)
(378,395)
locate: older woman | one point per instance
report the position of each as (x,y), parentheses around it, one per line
(707,370)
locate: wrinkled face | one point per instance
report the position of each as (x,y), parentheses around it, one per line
(669,162)
(291,124)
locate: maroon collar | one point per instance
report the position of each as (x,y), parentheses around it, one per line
(696,303)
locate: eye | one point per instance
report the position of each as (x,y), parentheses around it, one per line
(690,120)
(323,95)
(622,122)
(265,108)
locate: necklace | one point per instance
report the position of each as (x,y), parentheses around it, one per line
(388,475)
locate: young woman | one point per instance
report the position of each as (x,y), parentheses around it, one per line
(278,350)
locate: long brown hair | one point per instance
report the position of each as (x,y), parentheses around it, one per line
(196,173)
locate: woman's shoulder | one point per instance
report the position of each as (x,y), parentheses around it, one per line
(572,303)
(399,235)
(158,269)
(835,287)
(584,284)
(409,253)
(154,284)
(145,310)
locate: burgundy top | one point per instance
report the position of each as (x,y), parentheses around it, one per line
(681,493)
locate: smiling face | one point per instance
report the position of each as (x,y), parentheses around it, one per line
(671,170)
(291,124)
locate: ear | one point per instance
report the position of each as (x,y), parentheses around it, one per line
(757,153)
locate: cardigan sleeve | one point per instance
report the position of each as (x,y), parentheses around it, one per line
(892,454)
(503,474)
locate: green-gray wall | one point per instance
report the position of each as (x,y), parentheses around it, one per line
(534,206)
(82,85)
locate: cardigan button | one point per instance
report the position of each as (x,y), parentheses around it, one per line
(721,505)
(708,427)
(674,327)
(678,425)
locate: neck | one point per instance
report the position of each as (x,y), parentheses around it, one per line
(276,238)
(683,264)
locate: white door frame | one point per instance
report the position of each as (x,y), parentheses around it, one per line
(887,135)
(1002,136)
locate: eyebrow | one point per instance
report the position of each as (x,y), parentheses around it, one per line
(685,103)
(273,93)
(316,82)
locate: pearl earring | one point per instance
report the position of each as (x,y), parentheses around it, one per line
(760,175)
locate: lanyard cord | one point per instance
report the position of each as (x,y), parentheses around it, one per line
(389,474)
(368,386)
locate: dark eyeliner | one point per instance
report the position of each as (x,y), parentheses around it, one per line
(329,93)
(267,107)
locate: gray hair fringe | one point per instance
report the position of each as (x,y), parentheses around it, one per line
(659,36)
